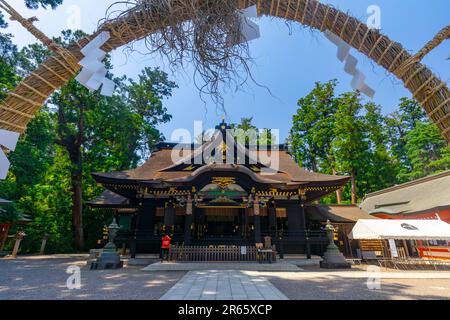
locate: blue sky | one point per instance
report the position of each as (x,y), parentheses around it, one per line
(287,63)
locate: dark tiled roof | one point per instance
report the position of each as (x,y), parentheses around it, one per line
(336,213)
(4,202)
(108,199)
(157,168)
(413,197)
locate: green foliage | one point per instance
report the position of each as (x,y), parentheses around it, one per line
(350,145)
(340,134)
(34,153)
(426,151)
(247,133)
(382,167)
(312,129)
(77,133)
(49,204)
(10,214)
(8,54)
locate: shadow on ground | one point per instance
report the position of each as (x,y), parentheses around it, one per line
(33,279)
(25,279)
(318,287)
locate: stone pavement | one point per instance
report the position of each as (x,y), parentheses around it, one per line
(223,285)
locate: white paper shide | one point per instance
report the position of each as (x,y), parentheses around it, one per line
(8,140)
(93,74)
(249,30)
(343,54)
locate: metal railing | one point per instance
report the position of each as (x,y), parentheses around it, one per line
(217,253)
(308,242)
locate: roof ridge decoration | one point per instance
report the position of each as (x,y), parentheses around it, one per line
(236,154)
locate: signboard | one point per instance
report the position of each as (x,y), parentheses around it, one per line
(243,251)
(393,247)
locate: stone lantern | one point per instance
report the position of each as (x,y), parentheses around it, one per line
(109,258)
(112,230)
(333,258)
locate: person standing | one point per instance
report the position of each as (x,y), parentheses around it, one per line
(165,247)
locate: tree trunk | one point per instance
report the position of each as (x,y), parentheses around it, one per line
(4,237)
(338,192)
(77,209)
(72,143)
(314,164)
(354,197)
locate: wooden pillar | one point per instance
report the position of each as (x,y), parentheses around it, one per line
(135,228)
(257,221)
(272,212)
(244,223)
(188,222)
(305,228)
(169,215)
(142,223)
(405,244)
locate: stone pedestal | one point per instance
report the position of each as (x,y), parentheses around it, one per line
(333,258)
(109,258)
(43,244)
(19,237)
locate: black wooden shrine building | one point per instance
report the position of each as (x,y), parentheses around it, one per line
(229,197)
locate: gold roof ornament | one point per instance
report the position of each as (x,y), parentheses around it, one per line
(223,182)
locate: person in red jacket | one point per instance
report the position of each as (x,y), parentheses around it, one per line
(165,247)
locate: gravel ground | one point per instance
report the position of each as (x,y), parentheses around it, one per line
(34,278)
(31,279)
(298,287)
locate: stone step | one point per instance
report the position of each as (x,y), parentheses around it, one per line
(195,266)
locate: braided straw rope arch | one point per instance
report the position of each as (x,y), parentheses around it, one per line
(23,103)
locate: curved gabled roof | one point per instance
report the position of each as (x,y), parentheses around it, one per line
(161,168)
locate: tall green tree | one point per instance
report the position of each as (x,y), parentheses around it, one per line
(312,131)
(415,142)
(8,57)
(312,128)
(382,168)
(81,117)
(350,144)
(78,133)
(426,150)
(399,123)
(341,134)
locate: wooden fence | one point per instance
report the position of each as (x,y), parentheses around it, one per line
(216,253)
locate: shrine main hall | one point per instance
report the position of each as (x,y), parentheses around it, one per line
(232,199)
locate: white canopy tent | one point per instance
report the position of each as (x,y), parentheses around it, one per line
(400,230)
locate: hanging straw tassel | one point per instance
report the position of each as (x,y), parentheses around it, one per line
(443,35)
